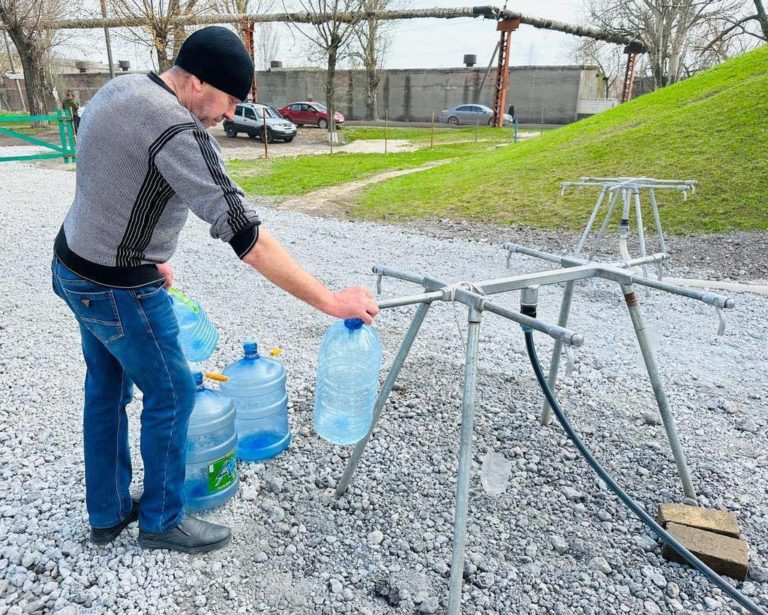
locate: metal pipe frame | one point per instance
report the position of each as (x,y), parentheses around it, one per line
(611,272)
(475,297)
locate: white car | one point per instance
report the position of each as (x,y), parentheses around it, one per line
(470,114)
(249,118)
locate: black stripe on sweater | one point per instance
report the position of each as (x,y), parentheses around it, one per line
(236,212)
(150,202)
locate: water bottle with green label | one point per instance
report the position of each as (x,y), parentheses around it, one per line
(211,477)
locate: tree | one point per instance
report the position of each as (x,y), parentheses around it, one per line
(156,15)
(266,42)
(667,28)
(33,44)
(331,33)
(608,57)
(762,18)
(372,43)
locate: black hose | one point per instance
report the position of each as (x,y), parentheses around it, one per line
(629,502)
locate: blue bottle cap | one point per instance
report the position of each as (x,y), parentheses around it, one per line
(250,349)
(353,323)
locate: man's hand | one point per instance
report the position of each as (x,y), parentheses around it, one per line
(167,273)
(354,302)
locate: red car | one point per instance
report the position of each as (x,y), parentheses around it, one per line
(313,113)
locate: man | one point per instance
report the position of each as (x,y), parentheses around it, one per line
(70,105)
(144,159)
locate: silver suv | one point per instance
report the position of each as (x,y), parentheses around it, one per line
(249,118)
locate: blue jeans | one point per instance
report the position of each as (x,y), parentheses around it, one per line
(130,336)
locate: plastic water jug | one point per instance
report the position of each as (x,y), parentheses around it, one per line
(197,335)
(256,385)
(211,477)
(347,381)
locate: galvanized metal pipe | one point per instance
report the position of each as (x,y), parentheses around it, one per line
(640,229)
(571,261)
(381,400)
(588,228)
(659,231)
(558,332)
(658,389)
(604,226)
(554,364)
(411,299)
(465,463)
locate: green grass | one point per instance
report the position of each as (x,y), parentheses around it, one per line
(423,135)
(712,128)
(302,174)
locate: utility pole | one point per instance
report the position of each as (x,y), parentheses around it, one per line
(109,42)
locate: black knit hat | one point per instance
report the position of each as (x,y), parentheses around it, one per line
(217,56)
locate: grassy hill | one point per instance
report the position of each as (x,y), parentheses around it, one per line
(712,128)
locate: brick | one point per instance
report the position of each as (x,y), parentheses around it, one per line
(718,521)
(725,555)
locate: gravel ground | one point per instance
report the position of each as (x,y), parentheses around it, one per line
(556,541)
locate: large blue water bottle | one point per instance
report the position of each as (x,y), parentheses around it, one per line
(197,335)
(347,381)
(256,385)
(211,477)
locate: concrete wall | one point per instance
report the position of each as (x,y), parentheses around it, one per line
(547,94)
(550,93)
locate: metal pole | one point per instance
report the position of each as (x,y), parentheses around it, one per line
(591,221)
(386,389)
(13,70)
(265,133)
(554,364)
(659,232)
(465,462)
(604,226)
(640,229)
(658,389)
(432,134)
(386,122)
(109,41)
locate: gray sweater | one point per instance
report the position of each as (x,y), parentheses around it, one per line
(143,161)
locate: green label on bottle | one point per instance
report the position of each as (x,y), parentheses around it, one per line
(222,473)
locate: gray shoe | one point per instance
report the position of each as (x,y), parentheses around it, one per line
(190,536)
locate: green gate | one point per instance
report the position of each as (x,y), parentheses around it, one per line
(66,147)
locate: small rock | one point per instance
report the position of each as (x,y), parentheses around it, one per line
(375,537)
(430,605)
(574,495)
(559,544)
(651,418)
(748,425)
(600,563)
(260,557)
(336,586)
(200,600)
(758,573)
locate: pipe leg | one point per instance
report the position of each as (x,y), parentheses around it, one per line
(465,462)
(609,214)
(659,232)
(386,389)
(640,230)
(658,389)
(591,221)
(554,364)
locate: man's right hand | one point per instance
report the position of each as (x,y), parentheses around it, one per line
(354,302)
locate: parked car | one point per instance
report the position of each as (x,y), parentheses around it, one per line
(471,114)
(310,113)
(249,118)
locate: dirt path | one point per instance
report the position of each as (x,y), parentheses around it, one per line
(337,201)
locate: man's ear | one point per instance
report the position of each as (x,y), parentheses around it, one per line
(197,85)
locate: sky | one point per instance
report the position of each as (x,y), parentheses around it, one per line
(418,43)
